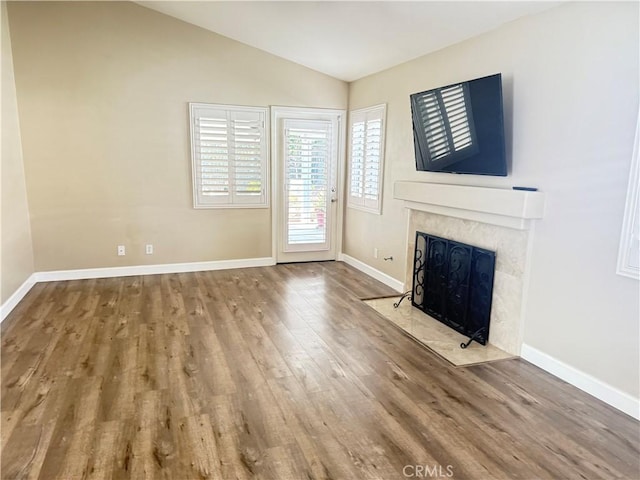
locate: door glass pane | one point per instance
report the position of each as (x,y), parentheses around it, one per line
(308,153)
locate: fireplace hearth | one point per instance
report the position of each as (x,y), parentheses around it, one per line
(453,283)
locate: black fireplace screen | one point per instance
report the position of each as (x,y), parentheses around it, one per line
(453,283)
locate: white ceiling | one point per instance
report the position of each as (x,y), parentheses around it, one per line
(348,40)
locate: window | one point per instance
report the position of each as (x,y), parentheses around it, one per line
(366,158)
(229,155)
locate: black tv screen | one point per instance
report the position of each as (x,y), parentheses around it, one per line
(460,128)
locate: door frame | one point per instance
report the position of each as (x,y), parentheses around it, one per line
(278,113)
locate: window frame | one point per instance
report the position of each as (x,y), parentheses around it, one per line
(375,112)
(629,235)
(231,200)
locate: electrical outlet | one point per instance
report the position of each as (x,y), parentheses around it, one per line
(148,249)
(121,250)
(375,253)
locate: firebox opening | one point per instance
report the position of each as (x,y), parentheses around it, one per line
(453,283)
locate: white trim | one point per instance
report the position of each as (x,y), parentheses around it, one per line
(275,184)
(340,179)
(497,206)
(388,280)
(7,307)
(585,382)
(133,270)
(629,238)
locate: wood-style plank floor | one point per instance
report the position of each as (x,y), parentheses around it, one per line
(275,373)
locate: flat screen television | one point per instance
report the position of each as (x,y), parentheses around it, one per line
(460,128)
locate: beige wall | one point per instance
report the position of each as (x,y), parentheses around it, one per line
(16,248)
(103,91)
(571,103)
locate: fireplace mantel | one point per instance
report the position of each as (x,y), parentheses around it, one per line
(496,206)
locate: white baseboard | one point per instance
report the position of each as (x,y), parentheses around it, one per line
(134,270)
(109,272)
(397,285)
(13,300)
(597,388)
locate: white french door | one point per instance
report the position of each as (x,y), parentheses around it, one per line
(307,157)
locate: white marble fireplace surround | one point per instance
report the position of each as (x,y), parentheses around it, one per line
(492,218)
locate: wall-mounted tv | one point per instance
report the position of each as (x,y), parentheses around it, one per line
(460,128)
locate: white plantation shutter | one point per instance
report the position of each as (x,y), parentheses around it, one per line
(229,156)
(366,158)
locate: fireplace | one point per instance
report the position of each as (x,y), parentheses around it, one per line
(453,283)
(495,219)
